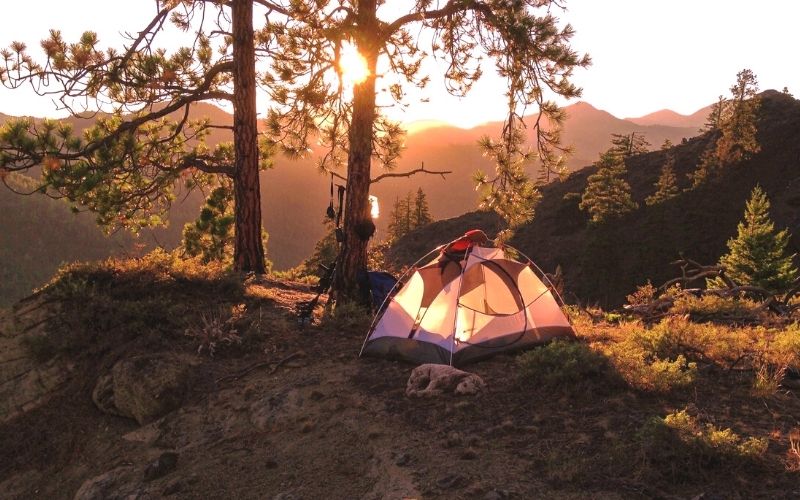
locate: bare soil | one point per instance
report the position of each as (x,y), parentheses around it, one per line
(294,413)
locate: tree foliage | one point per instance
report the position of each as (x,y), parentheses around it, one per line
(607,194)
(757,255)
(210,237)
(408,213)
(734,123)
(715,116)
(738,141)
(666,185)
(127,167)
(521,37)
(303,41)
(627,145)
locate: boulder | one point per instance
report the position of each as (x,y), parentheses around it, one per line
(144,387)
(431,380)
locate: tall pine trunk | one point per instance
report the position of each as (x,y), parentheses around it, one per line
(248,253)
(353,256)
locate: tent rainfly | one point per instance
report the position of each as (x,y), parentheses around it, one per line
(470,302)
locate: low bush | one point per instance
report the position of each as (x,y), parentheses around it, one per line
(647,373)
(776,351)
(216,330)
(713,308)
(348,317)
(563,364)
(678,447)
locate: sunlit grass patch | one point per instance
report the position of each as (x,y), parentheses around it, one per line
(713,308)
(680,447)
(568,366)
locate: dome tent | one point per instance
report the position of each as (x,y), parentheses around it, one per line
(470,302)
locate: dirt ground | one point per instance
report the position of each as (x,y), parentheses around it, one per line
(295,414)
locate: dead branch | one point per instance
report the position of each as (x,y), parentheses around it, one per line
(420,170)
(261,364)
(692,271)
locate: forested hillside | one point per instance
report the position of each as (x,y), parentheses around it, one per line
(605,263)
(295,196)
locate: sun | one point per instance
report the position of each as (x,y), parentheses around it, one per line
(352,65)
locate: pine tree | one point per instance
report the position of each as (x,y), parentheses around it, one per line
(667,144)
(738,141)
(399,219)
(757,255)
(716,115)
(735,121)
(708,167)
(211,236)
(324,254)
(422,214)
(522,39)
(127,166)
(607,194)
(627,145)
(666,185)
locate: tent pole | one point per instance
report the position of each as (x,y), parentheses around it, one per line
(550,284)
(458,303)
(389,295)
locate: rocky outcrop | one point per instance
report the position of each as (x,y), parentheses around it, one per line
(433,380)
(145,387)
(116,484)
(30,368)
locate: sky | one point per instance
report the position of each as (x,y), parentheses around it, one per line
(647,54)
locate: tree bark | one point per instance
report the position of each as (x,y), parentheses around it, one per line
(353,256)
(248,249)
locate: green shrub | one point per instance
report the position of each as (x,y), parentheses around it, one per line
(348,317)
(563,364)
(714,308)
(776,351)
(657,359)
(678,447)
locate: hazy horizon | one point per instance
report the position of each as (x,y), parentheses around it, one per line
(647,56)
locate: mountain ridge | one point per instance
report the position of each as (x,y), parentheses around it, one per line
(602,264)
(295,222)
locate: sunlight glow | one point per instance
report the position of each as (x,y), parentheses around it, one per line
(352,65)
(374,209)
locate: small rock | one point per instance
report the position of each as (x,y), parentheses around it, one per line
(307,427)
(453,439)
(271,464)
(161,466)
(462,405)
(316,395)
(116,483)
(451,481)
(496,495)
(402,459)
(173,488)
(103,395)
(469,454)
(432,380)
